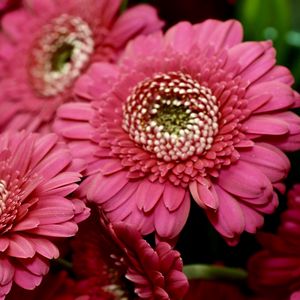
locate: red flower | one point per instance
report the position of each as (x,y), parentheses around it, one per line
(276,269)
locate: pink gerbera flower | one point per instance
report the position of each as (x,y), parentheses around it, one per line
(192,111)
(276,269)
(116,259)
(46,45)
(35,178)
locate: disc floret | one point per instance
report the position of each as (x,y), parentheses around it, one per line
(172,115)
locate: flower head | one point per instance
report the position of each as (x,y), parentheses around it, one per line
(36,176)
(47,45)
(116,259)
(192,111)
(276,269)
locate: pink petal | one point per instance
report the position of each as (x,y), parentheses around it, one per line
(81,211)
(26,279)
(54,163)
(169,224)
(6,271)
(121,197)
(76,130)
(105,187)
(121,212)
(76,111)
(205,196)
(177,282)
(268,159)
(219,34)
(109,10)
(40,7)
(291,141)
(138,20)
(52,214)
(42,147)
(261,66)
(253,219)
(243,179)
(37,265)
(265,124)
(148,194)
(295,295)
(278,74)
(26,224)
(20,247)
(22,155)
(98,79)
(44,247)
(4,243)
(142,46)
(229,218)
(173,196)
(13,23)
(141,221)
(61,181)
(65,229)
(180,37)
(251,56)
(281,95)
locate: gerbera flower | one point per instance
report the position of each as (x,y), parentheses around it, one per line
(276,269)
(46,45)
(35,178)
(192,111)
(116,259)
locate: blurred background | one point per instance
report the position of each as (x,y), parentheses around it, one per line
(276,20)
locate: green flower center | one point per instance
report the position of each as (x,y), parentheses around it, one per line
(61,56)
(172,117)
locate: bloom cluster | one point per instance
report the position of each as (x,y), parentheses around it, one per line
(111,126)
(277,266)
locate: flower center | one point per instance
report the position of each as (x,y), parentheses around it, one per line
(3,196)
(60,53)
(172,115)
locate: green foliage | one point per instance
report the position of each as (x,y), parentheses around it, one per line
(267,19)
(278,21)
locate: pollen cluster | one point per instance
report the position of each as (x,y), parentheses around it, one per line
(59,54)
(171,115)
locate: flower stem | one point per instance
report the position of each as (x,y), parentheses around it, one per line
(64,263)
(124,5)
(200,271)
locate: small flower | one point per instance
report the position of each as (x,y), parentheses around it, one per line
(275,270)
(192,111)
(116,259)
(46,45)
(36,177)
